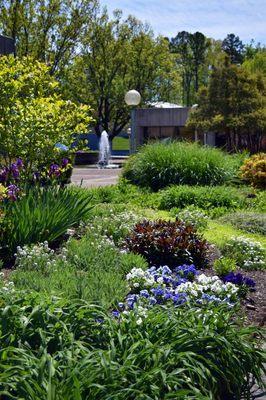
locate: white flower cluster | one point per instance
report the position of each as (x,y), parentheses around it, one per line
(249,254)
(209,286)
(6,286)
(39,256)
(138,278)
(114,226)
(194,217)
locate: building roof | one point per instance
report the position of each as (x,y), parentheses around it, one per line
(164,104)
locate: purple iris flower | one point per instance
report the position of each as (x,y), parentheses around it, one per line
(65,162)
(12,192)
(4,175)
(19,163)
(54,170)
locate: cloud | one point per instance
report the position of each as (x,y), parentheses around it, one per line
(215,18)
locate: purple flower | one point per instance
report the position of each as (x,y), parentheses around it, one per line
(239,280)
(4,175)
(19,163)
(65,162)
(12,192)
(54,170)
(144,293)
(14,170)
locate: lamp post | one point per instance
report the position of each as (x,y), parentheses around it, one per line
(194,107)
(133,98)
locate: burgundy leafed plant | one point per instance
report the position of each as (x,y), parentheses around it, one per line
(168,243)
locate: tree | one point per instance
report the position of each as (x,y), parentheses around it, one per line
(234,47)
(191,54)
(257,64)
(199,44)
(33,116)
(47,30)
(233,104)
(116,56)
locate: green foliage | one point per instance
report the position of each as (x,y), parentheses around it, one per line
(121,56)
(224,265)
(205,197)
(191,50)
(42,214)
(158,165)
(52,349)
(233,104)
(247,221)
(248,254)
(49,32)
(92,269)
(168,243)
(234,47)
(253,170)
(33,116)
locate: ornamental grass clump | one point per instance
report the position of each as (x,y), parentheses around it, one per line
(44,214)
(168,243)
(159,165)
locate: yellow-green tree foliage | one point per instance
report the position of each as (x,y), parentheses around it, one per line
(33,116)
(254,170)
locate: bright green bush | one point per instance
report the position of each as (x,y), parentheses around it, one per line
(247,221)
(52,349)
(34,117)
(43,214)
(205,197)
(159,165)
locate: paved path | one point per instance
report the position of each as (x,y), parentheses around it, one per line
(93,177)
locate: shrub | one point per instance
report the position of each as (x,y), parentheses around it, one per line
(224,265)
(191,216)
(247,221)
(253,170)
(201,196)
(52,348)
(34,117)
(248,254)
(168,243)
(42,215)
(159,165)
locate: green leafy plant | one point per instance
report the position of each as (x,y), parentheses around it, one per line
(159,165)
(43,214)
(55,348)
(224,265)
(201,196)
(168,243)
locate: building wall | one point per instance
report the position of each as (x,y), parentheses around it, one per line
(7,45)
(159,123)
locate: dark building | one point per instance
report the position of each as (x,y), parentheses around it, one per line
(160,123)
(7,45)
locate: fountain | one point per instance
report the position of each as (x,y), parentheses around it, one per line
(105,152)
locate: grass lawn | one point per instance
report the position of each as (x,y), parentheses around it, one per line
(218,233)
(120,143)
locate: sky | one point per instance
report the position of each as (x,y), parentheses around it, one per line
(214,18)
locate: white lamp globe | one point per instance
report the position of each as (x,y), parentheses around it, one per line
(132,98)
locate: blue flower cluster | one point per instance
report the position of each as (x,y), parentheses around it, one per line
(163,290)
(239,280)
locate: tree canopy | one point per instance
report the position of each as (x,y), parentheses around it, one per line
(233,103)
